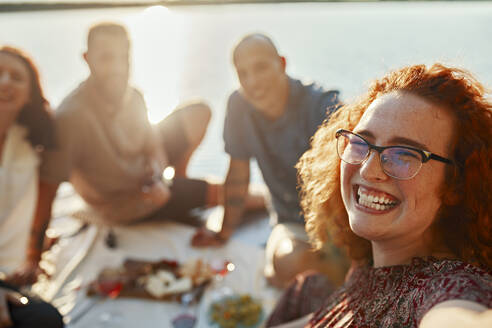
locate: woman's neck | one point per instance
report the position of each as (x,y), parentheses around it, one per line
(7,119)
(399,251)
(402,252)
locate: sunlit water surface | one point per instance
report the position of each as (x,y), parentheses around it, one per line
(184,53)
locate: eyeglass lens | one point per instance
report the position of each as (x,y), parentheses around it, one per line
(397,162)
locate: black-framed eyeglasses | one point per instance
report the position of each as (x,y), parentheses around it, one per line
(399,162)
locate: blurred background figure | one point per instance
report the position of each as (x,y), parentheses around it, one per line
(26,129)
(402,179)
(271,118)
(112,155)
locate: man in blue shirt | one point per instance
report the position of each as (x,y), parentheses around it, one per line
(270,118)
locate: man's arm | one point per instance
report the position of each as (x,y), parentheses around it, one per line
(27,274)
(153,188)
(156,151)
(235,194)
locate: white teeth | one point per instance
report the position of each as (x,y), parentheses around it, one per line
(379,203)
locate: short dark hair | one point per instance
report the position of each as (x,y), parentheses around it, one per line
(252,36)
(36,115)
(114,29)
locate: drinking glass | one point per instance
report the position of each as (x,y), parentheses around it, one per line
(188,314)
(221,268)
(108,289)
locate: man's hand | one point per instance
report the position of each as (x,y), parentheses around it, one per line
(157,193)
(12,297)
(235,193)
(205,238)
(27,274)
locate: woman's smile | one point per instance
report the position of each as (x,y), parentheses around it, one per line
(373,200)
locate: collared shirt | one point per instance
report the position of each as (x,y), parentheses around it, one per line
(102,150)
(277,145)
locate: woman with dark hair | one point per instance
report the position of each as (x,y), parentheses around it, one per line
(26,128)
(402,179)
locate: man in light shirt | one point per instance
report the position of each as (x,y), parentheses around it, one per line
(112,155)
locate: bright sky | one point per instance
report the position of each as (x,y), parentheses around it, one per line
(157,69)
(74,1)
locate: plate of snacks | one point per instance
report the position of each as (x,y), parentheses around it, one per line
(165,280)
(235,311)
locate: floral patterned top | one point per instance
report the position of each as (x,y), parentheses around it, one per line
(399,296)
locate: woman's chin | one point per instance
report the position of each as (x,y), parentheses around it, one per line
(368,226)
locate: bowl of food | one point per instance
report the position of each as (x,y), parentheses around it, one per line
(236,311)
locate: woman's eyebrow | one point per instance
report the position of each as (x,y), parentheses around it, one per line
(395,140)
(408,142)
(365,133)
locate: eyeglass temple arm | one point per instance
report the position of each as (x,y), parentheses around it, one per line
(429,156)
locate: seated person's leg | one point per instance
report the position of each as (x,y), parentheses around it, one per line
(304,295)
(186,194)
(36,313)
(182,131)
(289,253)
(255,200)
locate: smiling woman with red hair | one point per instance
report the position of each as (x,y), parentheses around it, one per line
(463,222)
(402,179)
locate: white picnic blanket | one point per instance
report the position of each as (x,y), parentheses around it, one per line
(147,241)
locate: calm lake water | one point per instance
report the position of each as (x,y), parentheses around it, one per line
(183,53)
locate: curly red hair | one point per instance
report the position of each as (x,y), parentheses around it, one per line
(463,222)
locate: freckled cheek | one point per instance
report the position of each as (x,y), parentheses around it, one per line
(347,172)
(425,209)
(422,196)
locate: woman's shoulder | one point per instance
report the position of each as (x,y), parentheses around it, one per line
(448,268)
(429,280)
(440,280)
(19,150)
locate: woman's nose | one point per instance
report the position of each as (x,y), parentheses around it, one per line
(371,169)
